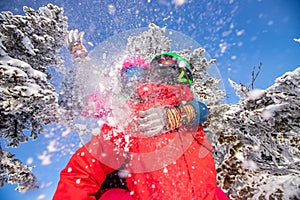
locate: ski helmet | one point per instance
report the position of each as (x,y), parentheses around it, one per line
(181,67)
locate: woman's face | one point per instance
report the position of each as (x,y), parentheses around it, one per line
(131,77)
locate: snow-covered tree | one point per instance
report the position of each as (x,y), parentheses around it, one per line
(28,45)
(257,146)
(15,172)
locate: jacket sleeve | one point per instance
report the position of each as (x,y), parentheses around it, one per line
(202,111)
(81,178)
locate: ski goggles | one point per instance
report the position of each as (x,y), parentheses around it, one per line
(132,72)
(175,63)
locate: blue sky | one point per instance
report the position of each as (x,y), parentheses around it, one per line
(239,34)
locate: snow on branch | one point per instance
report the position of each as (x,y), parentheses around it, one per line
(14,172)
(28,45)
(36,37)
(260,138)
(149,43)
(242,91)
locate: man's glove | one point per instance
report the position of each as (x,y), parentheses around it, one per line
(74,44)
(156,121)
(153,121)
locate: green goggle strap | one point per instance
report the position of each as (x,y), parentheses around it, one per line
(184,80)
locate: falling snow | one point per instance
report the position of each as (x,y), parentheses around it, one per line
(297,40)
(249,123)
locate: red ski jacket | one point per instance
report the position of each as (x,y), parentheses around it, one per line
(190,175)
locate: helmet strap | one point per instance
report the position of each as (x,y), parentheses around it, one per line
(181,79)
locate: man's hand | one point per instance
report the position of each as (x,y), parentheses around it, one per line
(73,42)
(156,121)
(153,121)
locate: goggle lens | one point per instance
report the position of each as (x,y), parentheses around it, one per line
(166,60)
(132,71)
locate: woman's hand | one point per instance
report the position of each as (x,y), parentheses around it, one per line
(73,42)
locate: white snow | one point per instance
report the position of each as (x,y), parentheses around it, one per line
(95,131)
(11,70)
(66,132)
(21,69)
(41,196)
(145,89)
(51,146)
(255,94)
(249,164)
(178,2)
(226,33)
(223,46)
(28,45)
(111,9)
(45,185)
(37,74)
(240,32)
(27,91)
(127,143)
(123,173)
(239,155)
(270,110)
(81,127)
(270,23)
(181,64)
(165,170)
(25,71)
(29,161)
(297,40)
(285,182)
(46,159)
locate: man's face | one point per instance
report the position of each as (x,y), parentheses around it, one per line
(169,70)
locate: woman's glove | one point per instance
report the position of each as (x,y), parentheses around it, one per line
(74,44)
